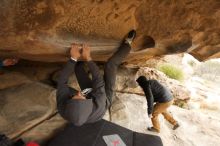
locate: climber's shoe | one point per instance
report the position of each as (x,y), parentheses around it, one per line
(130,36)
(176,126)
(152,129)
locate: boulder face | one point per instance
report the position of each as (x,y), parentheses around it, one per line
(43,30)
(24,106)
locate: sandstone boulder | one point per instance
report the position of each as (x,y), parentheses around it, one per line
(11,79)
(44,30)
(46,130)
(25,106)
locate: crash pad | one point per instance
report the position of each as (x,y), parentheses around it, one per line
(93,135)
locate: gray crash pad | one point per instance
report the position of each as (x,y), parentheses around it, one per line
(93,135)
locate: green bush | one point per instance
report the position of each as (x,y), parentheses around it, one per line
(171,71)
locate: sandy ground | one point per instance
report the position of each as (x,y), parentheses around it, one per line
(204,93)
(198,128)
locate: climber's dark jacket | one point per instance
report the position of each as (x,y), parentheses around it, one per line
(78,111)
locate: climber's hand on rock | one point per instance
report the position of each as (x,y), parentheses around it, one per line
(10,62)
(75,51)
(86,52)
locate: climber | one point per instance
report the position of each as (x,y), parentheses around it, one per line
(157,93)
(8,62)
(90,104)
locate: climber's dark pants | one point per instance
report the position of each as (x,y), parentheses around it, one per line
(110,71)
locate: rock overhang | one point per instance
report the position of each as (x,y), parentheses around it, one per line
(44,30)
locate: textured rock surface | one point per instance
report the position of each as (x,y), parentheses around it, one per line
(11,79)
(46,130)
(25,106)
(126,108)
(42,30)
(35,71)
(156,61)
